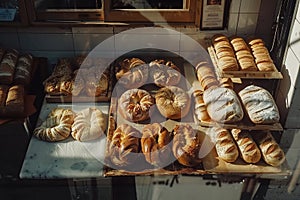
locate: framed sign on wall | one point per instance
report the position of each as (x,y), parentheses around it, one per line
(214,14)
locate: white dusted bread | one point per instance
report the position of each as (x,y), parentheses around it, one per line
(226,148)
(259,104)
(270,150)
(223,105)
(89,124)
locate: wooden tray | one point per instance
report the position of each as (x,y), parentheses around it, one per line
(104,97)
(240,74)
(211,163)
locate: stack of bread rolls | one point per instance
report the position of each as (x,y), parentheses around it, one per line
(206,75)
(243,54)
(263,59)
(225,53)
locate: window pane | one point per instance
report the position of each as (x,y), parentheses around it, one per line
(11,4)
(68,4)
(148,4)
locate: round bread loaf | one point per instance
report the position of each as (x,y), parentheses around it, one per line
(156,143)
(89,124)
(172,102)
(57,125)
(135,104)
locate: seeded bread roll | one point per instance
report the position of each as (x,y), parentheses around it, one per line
(249,150)
(270,150)
(224,143)
(223,105)
(259,104)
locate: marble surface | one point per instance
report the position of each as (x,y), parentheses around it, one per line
(65,159)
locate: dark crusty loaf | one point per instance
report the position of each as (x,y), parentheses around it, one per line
(7,66)
(259,104)
(23,69)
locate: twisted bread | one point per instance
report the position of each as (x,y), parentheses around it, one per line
(88,124)
(124,145)
(164,73)
(186,145)
(135,104)
(172,102)
(56,127)
(156,144)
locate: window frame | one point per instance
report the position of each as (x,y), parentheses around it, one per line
(138,15)
(23,16)
(60,15)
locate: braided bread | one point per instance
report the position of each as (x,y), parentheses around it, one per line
(124,145)
(56,127)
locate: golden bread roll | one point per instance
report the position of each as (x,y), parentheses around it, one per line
(124,145)
(249,150)
(89,124)
(259,104)
(271,152)
(135,104)
(156,143)
(224,144)
(200,107)
(57,125)
(187,145)
(172,102)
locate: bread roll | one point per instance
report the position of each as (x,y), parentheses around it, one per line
(89,124)
(224,143)
(57,125)
(270,150)
(223,105)
(206,75)
(172,102)
(200,107)
(15,96)
(124,145)
(156,143)
(7,66)
(260,105)
(249,150)
(186,145)
(135,104)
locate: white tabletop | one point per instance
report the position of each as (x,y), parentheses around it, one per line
(68,158)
